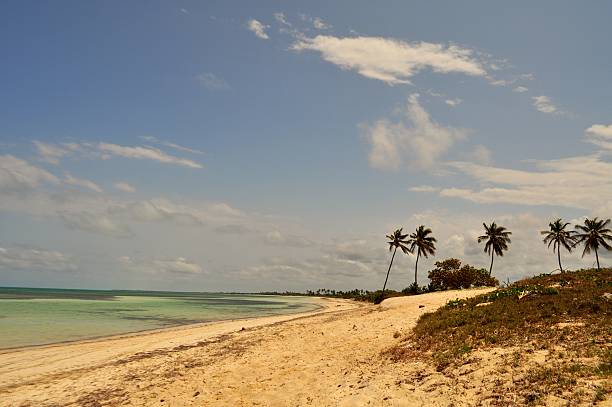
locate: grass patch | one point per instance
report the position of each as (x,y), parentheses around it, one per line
(545,312)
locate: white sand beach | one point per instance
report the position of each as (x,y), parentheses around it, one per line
(324,358)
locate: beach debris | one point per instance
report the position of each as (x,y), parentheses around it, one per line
(607,296)
(421,306)
(196,394)
(483,304)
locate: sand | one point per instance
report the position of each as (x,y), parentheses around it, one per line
(330,357)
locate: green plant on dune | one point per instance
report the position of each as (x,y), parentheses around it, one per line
(424,244)
(558,236)
(594,234)
(497,239)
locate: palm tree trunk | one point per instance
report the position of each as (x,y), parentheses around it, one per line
(416,266)
(491,266)
(559,258)
(597,257)
(390,264)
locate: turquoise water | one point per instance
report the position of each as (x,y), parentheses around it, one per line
(36,316)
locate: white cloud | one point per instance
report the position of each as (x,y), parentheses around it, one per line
(211,81)
(258,29)
(175,146)
(157,210)
(17,174)
(453,102)
(319,24)
(282,19)
(233,229)
(83,183)
(544,104)
(144,153)
(124,187)
(578,182)
(480,155)
(600,130)
(389,60)
(52,152)
(520,89)
(33,259)
(356,263)
(600,135)
(385,151)
(49,152)
(417,138)
(424,188)
(277,238)
(179,265)
(500,82)
(95,223)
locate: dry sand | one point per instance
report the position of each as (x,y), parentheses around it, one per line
(326,358)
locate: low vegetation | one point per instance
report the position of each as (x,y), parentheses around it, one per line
(568,316)
(450,275)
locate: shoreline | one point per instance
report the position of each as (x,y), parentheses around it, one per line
(21,364)
(330,356)
(320,308)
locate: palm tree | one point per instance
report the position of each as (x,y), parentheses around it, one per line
(593,234)
(497,240)
(424,244)
(396,240)
(558,236)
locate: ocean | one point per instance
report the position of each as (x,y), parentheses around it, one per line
(37,316)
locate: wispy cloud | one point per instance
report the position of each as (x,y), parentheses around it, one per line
(80,182)
(389,60)
(276,238)
(211,81)
(258,29)
(520,89)
(124,187)
(50,153)
(563,182)
(18,174)
(144,153)
(95,223)
(600,135)
(179,265)
(319,24)
(175,146)
(453,102)
(416,139)
(34,259)
(544,104)
(424,188)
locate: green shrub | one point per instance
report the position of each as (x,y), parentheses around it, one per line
(449,274)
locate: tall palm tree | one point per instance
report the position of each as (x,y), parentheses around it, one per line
(396,240)
(497,240)
(593,234)
(424,244)
(558,236)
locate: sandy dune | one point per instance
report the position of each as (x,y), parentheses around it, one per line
(328,358)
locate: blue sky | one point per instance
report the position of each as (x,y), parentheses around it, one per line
(238,146)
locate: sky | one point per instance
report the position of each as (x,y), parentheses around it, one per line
(271,145)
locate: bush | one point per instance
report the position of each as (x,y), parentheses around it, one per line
(414,289)
(449,274)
